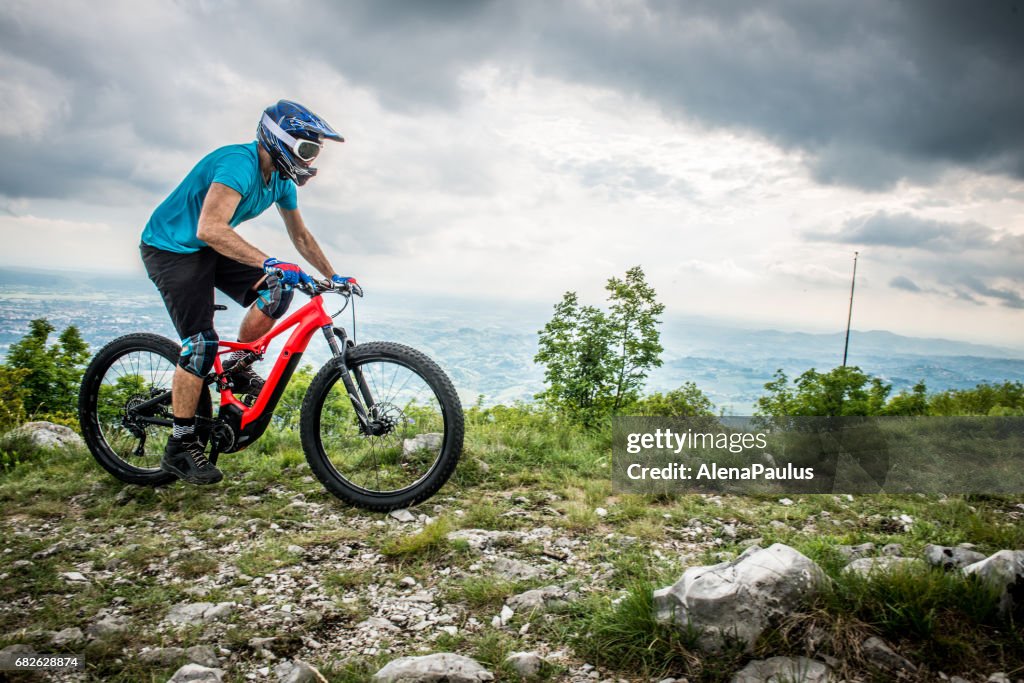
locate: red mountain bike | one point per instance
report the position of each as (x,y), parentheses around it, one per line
(381,424)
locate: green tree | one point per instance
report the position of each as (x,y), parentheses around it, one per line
(53,373)
(686,401)
(914,402)
(984,399)
(840,391)
(780,400)
(574,348)
(31,353)
(12,397)
(596,362)
(287,413)
(72,355)
(634,324)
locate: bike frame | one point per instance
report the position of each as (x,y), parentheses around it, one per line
(246,423)
(249,422)
(306,321)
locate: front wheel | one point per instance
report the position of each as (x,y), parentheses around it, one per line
(413,440)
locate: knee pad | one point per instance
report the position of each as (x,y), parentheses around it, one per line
(198,352)
(273,299)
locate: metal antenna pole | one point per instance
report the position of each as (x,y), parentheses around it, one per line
(849,315)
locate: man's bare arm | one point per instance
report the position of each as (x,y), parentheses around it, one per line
(215,227)
(305,242)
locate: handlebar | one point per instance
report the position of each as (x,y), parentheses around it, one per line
(323,286)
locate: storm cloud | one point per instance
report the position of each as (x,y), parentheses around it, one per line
(738,150)
(904,283)
(908,231)
(963,260)
(1008,297)
(871,92)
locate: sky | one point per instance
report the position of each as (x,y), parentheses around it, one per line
(506,151)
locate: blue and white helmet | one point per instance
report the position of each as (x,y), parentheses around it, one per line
(293,135)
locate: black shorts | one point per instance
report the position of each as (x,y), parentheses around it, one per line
(186,283)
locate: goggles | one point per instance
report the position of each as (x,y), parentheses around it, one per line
(306,150)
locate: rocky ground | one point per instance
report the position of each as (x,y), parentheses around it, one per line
(310,583)
(266,569)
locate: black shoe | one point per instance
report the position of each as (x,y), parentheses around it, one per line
(185,459)
(245,381)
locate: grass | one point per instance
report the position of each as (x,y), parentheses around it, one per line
(268,557)
(193,565)
(624,630)
(430,542)
(942,618)
(483,594)
(519,472)
(347,580)
(487,515)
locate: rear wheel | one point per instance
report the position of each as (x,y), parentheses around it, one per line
(117,424)
(416,428)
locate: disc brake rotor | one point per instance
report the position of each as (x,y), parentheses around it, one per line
(384,418)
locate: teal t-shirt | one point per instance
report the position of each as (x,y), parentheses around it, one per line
(173,225)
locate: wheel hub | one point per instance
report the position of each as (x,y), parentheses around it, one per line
(384,418)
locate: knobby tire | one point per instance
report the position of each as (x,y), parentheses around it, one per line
(317,417)
(97,431)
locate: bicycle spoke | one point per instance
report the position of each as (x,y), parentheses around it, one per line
(384,462)
(125,406)
(130,380)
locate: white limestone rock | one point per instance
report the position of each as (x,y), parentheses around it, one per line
(44,434)
(437,668)
(951,558)
(195,673)
(1004,569)
(188,614)
(789,669)
(740,598)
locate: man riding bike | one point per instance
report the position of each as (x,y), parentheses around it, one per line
(189,248)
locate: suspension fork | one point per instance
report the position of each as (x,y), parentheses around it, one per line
(354,389)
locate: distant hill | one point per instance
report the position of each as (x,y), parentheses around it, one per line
(488,347)
(73,281)
(701,337)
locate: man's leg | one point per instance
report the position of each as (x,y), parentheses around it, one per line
(185,389)
(267,300)
(186,282)
(184,455)
(255,324)
(269,304)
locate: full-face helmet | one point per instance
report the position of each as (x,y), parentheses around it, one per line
(293,135)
